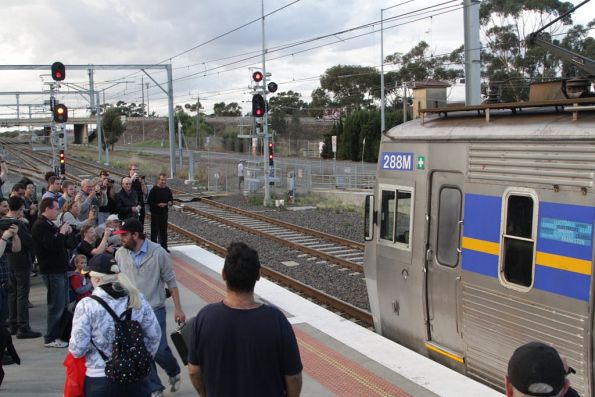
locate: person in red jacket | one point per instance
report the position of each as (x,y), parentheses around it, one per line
(78,282)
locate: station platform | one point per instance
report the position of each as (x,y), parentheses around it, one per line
(340,358)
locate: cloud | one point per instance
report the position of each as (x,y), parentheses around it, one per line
(150,31)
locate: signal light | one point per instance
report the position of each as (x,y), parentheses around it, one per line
(258,106)
(60,113)
(58,71)
(62,163)
(271,155)
(272,86)
(257,76)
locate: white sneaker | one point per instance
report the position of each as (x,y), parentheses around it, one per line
(174,382)
(157,393)
(57,343)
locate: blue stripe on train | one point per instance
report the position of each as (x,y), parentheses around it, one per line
(482,217)
(561,282)
(569,214)
(480,262)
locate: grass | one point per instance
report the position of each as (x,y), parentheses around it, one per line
(324,203)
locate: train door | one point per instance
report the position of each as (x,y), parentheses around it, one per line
(443,258)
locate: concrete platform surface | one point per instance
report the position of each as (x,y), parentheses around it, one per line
(340,358)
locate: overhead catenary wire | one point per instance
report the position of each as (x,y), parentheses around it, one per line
(301,42)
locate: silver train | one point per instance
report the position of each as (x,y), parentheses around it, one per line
(480,236)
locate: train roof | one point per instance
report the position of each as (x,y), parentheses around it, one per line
(525,123)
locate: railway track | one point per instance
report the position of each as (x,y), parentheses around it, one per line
(345,253)
(348,310)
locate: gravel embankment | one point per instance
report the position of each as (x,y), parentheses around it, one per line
(332,279)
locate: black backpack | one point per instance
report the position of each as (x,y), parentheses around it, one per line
(130,361)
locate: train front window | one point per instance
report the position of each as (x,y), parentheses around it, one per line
(395,216)
(518,240)
(387,217)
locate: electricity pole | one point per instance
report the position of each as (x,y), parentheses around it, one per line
(265,119)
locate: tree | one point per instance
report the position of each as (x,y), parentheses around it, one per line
(112,126)
(352,86)
(421,64)
(232,109)
(130,110)
(287,103)
(320,101)
(193,107)
(507,58)
(277,122)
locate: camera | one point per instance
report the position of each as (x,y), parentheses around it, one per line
(111,181)
(6,223)
(142,177)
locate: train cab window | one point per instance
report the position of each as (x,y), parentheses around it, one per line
(395,216)
(387,215)
(517,256)
(449,226)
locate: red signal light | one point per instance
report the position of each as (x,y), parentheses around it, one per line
(58,71)
(257,76)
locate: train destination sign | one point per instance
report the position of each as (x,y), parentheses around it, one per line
(396,161)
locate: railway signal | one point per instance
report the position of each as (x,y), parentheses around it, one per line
(271,155)
(258,106)
(58,71)
(272,86)
(257,76)
(62,163)
(60,113)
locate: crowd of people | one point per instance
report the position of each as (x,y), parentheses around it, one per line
(107,286)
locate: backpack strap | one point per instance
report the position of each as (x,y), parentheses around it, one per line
(114,316)
(106,307)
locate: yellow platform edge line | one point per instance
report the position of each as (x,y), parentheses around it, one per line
(445,353)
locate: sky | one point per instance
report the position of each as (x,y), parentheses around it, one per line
(218,55)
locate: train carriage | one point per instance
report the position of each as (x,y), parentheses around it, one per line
(480,237)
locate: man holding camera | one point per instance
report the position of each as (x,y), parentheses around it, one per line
(50,244)
(107,185)
(19,265)
(9,242)
(127,201)
(140,187)
(91,195)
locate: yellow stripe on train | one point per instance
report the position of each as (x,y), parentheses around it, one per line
(487,247)
(563,263)
(560,262)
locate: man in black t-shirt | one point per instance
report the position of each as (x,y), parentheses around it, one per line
(159,200)
(242,347)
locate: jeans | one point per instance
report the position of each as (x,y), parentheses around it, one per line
(164,356)
(3,303)
(18,298)
(57,299)
(102,387)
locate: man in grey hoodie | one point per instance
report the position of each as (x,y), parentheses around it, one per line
(149,268)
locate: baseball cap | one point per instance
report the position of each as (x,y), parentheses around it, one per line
(536,369)
(102,263)
(112,217)
(130,225)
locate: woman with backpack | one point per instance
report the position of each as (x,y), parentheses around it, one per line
(117,332)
